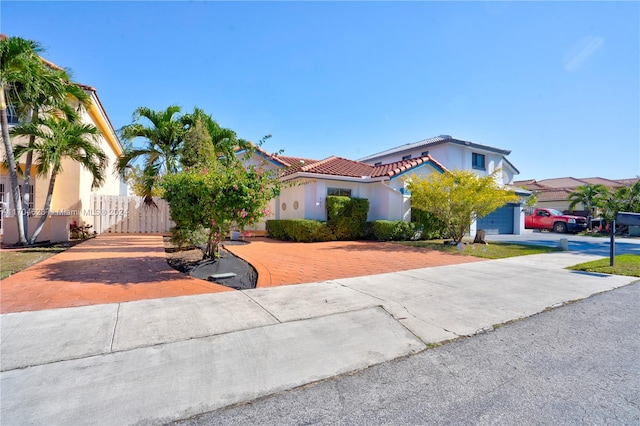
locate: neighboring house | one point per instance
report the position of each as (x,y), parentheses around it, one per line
(454,154)
(380,179)
(553,193)
(307,183)
(72,192)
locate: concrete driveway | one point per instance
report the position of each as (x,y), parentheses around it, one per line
(597,246)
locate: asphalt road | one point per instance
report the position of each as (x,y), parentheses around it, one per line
(599,246)
(576,364)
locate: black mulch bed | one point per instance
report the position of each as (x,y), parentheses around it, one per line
(245,277)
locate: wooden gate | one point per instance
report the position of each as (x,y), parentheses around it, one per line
(127,214)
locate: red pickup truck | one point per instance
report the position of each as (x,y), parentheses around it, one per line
(553,219)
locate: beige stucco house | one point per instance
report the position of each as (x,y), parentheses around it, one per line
(72,192)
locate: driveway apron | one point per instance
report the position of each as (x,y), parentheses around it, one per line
(111,268)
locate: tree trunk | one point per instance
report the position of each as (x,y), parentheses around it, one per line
(47,206)
(26,187)
(13,171)
(480,235)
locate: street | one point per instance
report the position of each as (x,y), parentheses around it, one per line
(576,364)
(599,246)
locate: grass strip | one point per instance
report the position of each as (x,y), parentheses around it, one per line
(494,250)
(624,264)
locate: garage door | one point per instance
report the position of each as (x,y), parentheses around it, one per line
(498,222)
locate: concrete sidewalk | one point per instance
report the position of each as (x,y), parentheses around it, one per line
(154,361)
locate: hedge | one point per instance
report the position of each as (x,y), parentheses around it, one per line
(347,217)
(432,227)
(394,230)
(299,230)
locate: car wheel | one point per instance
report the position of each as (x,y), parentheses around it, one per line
(560,227)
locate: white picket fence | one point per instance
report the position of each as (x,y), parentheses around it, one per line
(123,214)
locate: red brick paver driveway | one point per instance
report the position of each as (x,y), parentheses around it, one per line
(282,263)
(116,268)
(107,269)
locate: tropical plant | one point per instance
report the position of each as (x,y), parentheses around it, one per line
(592,198)
(55,140)
(34,88)
(197,150)
(458,198)
(138,181)
(624,199)
(219,197)
(18,60)
(161,154)
(225,141)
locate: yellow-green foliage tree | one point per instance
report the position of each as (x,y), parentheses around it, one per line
(458,198)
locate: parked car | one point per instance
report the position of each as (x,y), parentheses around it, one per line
(554,220)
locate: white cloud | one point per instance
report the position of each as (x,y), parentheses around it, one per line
(581,52)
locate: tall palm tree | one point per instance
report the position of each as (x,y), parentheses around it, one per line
(164,138)
(56,139)
(55,94)
(33,88)
(592,197)
(20,67)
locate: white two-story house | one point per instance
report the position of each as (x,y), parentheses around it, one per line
(380,179)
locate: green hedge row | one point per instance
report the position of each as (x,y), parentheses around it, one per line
(299,230)
(307,231)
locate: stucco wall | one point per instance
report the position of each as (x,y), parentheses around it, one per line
(456,157)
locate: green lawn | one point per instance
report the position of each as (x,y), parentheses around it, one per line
(493,250)
(14,260)
(625,264)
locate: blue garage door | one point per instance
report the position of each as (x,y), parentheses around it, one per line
(498,222)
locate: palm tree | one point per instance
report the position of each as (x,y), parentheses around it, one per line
(164,139)
(34,88)
(54,140)
(20,67)
(54,94)
(592,197)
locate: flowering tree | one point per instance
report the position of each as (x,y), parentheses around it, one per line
(218,197)
(458,198)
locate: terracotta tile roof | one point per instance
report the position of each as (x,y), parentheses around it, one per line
(572,183)
(338,166)
(392,169)
(563,182)
(553,194)
(558,189)
(628,182)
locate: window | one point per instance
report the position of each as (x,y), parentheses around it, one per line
(379,163)
(12,116)
(340,192)
(425,153)
(477,161)
(407,157)
(32,197)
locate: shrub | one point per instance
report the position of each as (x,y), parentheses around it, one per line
(299,230)
(394,230)
(188,237)
(347,217)
(432,227)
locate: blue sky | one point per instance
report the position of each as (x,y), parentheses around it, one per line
(556,83)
